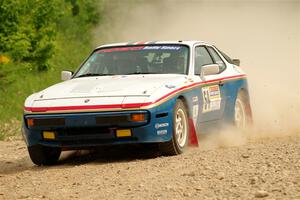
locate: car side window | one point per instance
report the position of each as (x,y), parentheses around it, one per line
(218,60)
(202,57)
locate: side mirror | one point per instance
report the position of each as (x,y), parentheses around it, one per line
(236,62)
(210,69)
(66,75)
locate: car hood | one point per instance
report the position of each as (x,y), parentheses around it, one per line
(109,86)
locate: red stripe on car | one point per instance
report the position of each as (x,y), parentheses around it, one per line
(125,106)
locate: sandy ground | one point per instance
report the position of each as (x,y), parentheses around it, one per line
(260,168)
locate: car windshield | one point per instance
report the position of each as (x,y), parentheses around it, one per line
(145,59)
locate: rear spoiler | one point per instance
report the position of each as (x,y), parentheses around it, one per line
(236,61)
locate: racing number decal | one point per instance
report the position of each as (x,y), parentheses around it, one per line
(211,98)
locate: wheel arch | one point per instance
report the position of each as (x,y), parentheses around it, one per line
(246,96)
(245,92)
(193,139)
(185,102)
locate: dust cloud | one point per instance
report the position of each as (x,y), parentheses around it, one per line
(264,35)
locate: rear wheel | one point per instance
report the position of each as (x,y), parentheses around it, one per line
(42,155)
(180,133)
(242,112)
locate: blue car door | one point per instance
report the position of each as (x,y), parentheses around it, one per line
(213,94)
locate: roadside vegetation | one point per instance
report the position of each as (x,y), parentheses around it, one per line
(39,39)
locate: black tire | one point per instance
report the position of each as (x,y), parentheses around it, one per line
(243,109)
(174,146)
(42,155)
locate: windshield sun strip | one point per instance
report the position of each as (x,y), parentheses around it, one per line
(137,47)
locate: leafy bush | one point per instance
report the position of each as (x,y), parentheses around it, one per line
(38,39)
(28,29)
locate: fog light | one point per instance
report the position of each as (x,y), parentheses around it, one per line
(30,122)
(123,133)
(138,117)
(48,135)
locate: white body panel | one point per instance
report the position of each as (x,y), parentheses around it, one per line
(107,90)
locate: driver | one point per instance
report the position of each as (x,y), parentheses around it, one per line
(174,64)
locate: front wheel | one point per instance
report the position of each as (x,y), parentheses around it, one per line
(42,155)
(180,133)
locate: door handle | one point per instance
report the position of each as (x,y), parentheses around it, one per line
(221,83)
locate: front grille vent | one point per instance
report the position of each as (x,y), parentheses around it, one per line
(49,122)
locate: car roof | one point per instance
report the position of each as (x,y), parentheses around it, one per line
(186,42)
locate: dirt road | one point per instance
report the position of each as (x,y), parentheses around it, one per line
(264,168)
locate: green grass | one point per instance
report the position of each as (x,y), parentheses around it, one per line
(25,82)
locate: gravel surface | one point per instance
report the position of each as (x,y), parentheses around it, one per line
(254,169)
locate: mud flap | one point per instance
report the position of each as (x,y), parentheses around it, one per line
(193,139)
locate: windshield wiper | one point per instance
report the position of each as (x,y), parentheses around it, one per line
(93,74)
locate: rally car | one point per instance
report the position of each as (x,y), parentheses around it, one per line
(166,92)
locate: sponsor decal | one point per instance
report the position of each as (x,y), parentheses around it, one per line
(170,86)
(157,125)
(191,80)
(211,98)
(162,47)
(195,99)
(195,113)
(162,132)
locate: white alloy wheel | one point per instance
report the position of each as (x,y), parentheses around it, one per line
(181,128)
(240,118)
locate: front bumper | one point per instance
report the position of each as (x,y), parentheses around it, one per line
(75,130)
